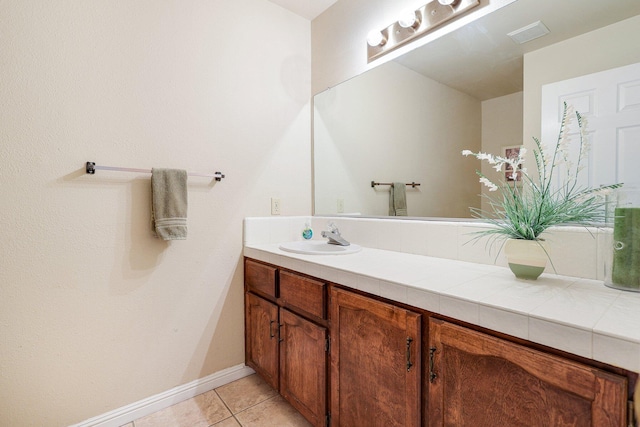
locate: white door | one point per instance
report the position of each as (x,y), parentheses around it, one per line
(610,101)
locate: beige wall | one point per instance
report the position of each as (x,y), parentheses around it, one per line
(501,127)
(410,129)
(95,313)
(609,47)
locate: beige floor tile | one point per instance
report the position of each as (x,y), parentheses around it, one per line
(201,411)
(245,392)
(229,422)
(275,412)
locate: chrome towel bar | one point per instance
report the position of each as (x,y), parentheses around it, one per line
(91,168)
(412,184)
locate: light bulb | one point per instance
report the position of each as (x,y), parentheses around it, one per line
(376,38)
(408,19)
(446,2)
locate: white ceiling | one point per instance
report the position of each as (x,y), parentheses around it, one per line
(306,8)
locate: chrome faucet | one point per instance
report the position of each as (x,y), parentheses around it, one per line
(334,235)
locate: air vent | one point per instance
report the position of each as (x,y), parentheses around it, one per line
(528,33)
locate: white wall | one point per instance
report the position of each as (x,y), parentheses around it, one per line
(356,142)
(95,313)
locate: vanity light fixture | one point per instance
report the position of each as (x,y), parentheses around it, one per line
(375,38)
(415,24)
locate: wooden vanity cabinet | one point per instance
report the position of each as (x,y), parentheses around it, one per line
(375,362)
(286,336)
(480,380)
(342,358)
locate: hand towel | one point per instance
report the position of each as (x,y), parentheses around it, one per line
(169,203)
(398,199)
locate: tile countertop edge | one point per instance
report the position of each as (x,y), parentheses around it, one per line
(375,271)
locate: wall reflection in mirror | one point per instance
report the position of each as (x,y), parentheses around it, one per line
(408,120)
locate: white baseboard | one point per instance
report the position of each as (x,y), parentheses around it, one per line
(126,414)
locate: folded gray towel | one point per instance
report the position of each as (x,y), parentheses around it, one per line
(169,203)
(398,199)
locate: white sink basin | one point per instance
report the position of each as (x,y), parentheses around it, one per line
(319,247)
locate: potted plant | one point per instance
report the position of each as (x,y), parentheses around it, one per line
(528,205)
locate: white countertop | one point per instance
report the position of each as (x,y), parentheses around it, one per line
(579,316)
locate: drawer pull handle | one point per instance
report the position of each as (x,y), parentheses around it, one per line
(271,334)
(432,373)
(409,364)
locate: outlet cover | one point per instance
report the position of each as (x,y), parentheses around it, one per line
(275,206)
(340,205)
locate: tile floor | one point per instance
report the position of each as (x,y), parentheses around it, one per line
(247,402)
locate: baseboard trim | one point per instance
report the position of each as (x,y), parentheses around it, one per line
(126,414)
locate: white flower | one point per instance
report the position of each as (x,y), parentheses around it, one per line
(467,152)
(489,184)
(603,191)
(569,114)
(488,157)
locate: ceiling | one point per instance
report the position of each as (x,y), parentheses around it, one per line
(308,9)
(481,60)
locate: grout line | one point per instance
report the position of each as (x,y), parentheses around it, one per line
(222,400)
(226,406)
(256,404)
(218,422)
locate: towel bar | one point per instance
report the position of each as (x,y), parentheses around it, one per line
(91,168)
(412,184)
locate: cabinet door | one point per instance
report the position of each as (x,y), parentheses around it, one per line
(303,366)
(261,337)
(479,380)
(375,362)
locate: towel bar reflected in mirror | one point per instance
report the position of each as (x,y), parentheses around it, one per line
(412,184)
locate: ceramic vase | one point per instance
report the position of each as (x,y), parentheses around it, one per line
(527,258)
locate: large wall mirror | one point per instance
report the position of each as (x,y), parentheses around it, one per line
(407,120)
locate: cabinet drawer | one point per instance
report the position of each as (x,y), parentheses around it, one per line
(303,293)
(260,277)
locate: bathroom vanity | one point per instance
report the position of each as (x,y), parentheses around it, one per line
(346,352)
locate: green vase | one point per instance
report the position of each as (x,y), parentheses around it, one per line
(625,268)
